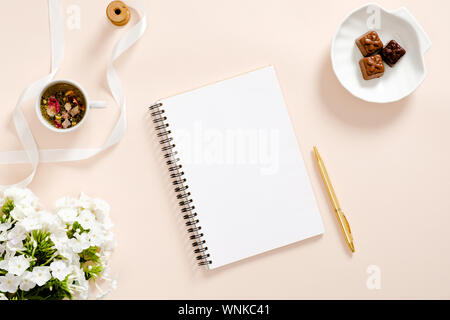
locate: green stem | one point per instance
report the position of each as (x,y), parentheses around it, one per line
(50,260)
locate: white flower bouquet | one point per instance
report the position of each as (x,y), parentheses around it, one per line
(52,256)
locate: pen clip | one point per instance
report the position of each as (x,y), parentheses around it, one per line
(347,225)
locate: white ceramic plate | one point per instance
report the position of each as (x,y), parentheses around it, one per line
(397,82)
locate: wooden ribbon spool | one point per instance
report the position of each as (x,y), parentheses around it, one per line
(118,13)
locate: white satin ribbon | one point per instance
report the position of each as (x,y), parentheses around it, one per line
(31,153)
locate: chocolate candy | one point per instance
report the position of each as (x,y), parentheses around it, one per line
(372,67)
(392,53)
(369,43)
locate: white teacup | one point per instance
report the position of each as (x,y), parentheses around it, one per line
(89,105)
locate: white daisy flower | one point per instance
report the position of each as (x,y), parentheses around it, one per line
(18,213)
(15,238)
(68,215)
(84,201)
(9,283)
(30,223)
(27,284)
(59,269)
(40,275)
(3,236)
(17,234)
(80,242)
(50,221)
(5,226)
(66,202)
(4,264)
(21,197)
(86,219)
(18,265)
(96,236)
(101,209)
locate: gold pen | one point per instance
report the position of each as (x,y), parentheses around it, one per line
(345,226)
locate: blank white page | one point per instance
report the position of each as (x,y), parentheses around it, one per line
(243,166)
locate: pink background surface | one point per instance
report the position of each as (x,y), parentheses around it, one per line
(389,163)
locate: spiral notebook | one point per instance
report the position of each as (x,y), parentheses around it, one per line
(236,168)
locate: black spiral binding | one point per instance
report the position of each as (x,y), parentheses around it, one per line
(180,184)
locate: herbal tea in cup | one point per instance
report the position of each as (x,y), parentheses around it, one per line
(63,105)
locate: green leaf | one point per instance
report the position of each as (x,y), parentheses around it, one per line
(76,226)
(54,289)
(90,255)
(91,263)
(7,207)
(92,271)
(40,248)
